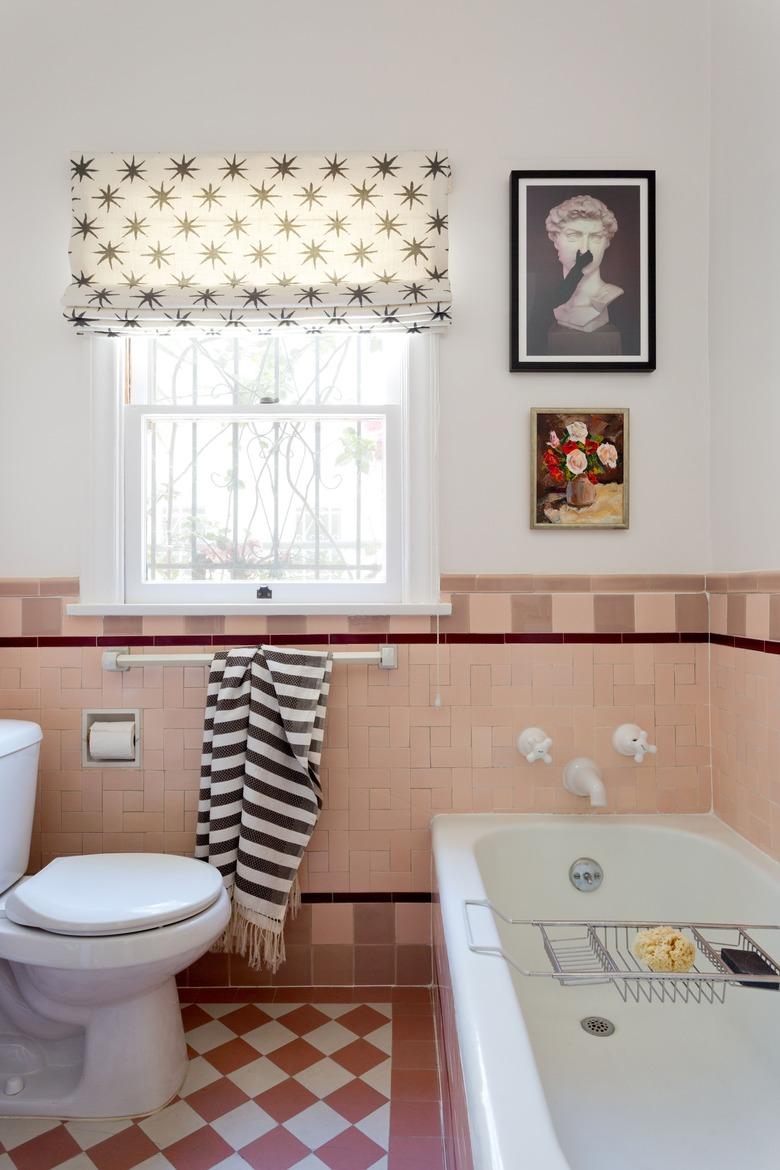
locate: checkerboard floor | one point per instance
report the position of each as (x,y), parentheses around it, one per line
(272,1086)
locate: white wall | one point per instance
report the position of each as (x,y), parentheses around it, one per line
(745,284)
(502,84)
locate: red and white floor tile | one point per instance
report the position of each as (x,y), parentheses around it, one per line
(271,1086)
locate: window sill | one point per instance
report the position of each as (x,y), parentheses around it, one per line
(261,609)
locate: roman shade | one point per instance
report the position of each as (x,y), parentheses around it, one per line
(259,241)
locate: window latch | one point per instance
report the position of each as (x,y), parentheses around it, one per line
(264,593)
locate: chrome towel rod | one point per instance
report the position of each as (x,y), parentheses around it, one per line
(386,658)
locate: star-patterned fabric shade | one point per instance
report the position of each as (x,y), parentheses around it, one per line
(259,241)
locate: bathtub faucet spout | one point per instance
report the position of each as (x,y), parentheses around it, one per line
(581,776)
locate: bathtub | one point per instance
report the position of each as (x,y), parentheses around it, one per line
(679,1086)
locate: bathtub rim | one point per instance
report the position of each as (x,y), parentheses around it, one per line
(510,1128)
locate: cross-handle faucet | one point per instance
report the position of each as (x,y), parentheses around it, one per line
(631,740)
(535,745)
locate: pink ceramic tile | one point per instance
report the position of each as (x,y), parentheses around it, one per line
(572,613)
(655,612)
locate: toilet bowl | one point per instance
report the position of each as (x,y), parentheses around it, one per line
(89,949)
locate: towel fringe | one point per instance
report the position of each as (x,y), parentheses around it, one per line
(258,939)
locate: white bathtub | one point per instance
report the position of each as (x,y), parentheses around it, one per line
(678,1086)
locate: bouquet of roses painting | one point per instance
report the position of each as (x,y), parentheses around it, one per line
(578,453)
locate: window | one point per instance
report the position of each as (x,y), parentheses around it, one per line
(296,462)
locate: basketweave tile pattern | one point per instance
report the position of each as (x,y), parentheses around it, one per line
(271,1086)
(392,759)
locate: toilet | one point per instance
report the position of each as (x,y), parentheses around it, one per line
(90,946)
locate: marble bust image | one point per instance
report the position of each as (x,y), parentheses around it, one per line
(581,228)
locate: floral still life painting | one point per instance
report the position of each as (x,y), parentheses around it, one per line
(579,468)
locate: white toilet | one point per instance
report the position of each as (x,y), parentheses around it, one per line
(89,947)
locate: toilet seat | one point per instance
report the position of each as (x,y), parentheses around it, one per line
(113,893)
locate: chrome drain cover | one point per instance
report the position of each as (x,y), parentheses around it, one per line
(597,1026)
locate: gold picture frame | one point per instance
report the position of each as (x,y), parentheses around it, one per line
(579,461)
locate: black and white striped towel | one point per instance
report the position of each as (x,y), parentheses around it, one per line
(260,794)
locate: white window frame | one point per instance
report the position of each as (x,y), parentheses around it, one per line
(413,541)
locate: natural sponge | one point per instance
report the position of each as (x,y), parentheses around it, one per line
(663,948)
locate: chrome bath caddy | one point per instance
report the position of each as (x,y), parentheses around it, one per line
(583,953)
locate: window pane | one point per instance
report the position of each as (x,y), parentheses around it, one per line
(247,370)
(265,499)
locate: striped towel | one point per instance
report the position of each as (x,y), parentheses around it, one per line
(260,794)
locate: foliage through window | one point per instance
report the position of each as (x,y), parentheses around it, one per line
(264,459)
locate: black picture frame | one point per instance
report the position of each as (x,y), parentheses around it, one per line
(626,340)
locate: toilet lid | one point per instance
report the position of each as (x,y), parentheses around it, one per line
(113,893)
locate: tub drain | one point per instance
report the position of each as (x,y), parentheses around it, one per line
(597,1026)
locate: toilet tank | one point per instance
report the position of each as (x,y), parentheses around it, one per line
(20,744)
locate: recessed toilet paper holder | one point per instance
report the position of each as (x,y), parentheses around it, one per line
(110,715)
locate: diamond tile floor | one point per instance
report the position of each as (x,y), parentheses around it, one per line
(273,1085)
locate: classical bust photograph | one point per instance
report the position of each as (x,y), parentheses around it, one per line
(583,272)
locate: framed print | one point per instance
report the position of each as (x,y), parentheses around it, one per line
(583,270)
(579,468)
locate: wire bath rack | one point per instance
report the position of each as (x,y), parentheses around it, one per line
(582,953)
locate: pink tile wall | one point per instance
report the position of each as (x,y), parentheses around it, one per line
(746,743)
(392,759)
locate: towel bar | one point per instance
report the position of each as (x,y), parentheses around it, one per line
(386,658)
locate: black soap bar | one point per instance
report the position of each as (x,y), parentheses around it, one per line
(748,963)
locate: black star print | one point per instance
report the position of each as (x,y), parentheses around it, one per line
(437,222)
(101,297)
(259,254)
(333,168)
(314,253)
(234,280)
(213,253)
(186,225)
(256,297)
(132,281)
(127,321)
(362,252)
(210,195)
(310,195)
(109,252)
(360,293)
(283,168)
(310,295)
(414,292)
(440,313)
(132,170)
(414,249)
(234,169)
(86,227)
(135,225)
(389,223)
(262,194)
(336,316)
(387,166)
(435,274)
(108,197)
(205,297)
(161,197)
(338,223)
(436,166)
(150,298)
(237,223)
(78,320)
(287,225)
(363,193)
(285,317)
(232,319)
(82,169)
(411,194)
(184,168)
(387,316)
(180,318)
(82,280)
(159,255)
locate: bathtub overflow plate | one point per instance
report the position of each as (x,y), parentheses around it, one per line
(585,874)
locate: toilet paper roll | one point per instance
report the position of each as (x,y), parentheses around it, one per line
(112,741)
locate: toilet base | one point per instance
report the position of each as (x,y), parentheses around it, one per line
(123,1059)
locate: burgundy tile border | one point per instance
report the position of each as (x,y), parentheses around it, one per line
(370,896)
(626,638)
